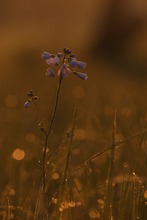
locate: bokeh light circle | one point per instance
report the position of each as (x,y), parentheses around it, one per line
(30,137)
(18,154)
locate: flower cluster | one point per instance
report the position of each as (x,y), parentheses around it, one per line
(32,97)
(66,62)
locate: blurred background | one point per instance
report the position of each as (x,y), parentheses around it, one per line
(111,37)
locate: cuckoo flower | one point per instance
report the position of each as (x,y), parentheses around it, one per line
(64,71)
(81,65)
(67,63)
(46,55)
(61,64)
(73,63)
(32,98)
(50,72)
(27,104)
(53,61)
(81,75)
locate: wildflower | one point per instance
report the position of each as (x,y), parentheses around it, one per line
(59,55)
(81,65)
(65,71)
(46,55)
(67,60)
(30,93)
(81,75)
(73,62)
(53,61)
(27,104)
(67,51)
(50,73)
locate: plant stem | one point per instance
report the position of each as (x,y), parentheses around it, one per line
(112,146)
(47,132)
(64,180)
(69,148)
(51,125)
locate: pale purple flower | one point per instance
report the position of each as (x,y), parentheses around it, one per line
(67,51)
(59,55)
(82,76)
(81,65)
(73,62)
(27,104)
(53,61)
(46,55)
(64,70)
(65,60)
(50,73)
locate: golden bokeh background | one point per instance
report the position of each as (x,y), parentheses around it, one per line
(111,37)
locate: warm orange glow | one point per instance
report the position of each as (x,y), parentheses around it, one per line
(55,176)
(145,194)
(30,137)
(80,134)
(18,154)
(94,214)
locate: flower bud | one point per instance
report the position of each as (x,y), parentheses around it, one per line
(30,93)
(46,55)
(67,51)
(59,55)
(27,104)
(73,63)
(81,65)
(81,75)
(65,71)
(50,73)
(36,97)
(53,61)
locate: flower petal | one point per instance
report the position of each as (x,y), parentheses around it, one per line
(46,55)
(50,73)
(27,104)
(64,70)
(73,63)
(59,55)
(81,65)
(53,61)
(82,76)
